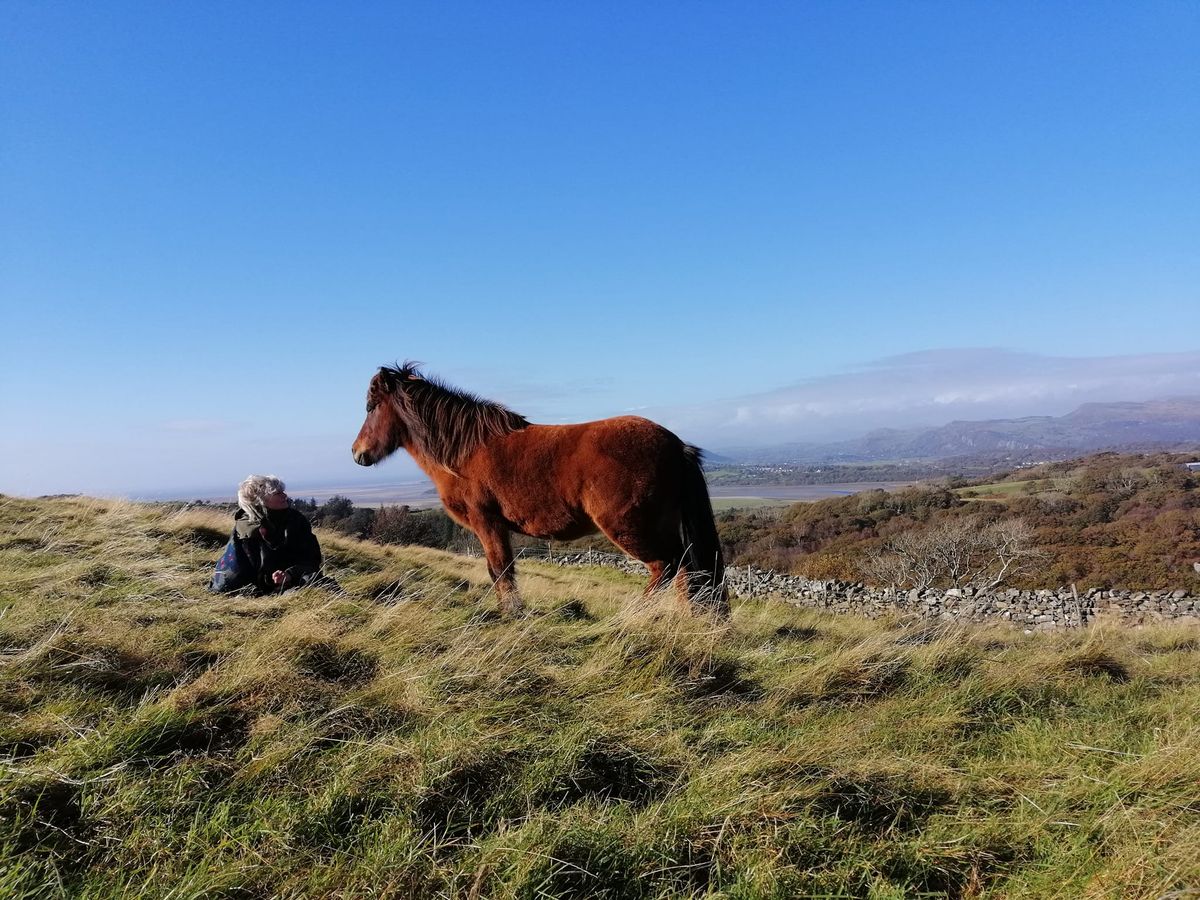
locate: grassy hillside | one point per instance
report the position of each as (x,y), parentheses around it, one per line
(1105,521)
(400,740)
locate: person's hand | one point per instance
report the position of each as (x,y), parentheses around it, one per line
(279,576)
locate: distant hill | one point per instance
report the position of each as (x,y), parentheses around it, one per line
(1154,424)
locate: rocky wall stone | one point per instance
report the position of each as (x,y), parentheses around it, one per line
(1035,610)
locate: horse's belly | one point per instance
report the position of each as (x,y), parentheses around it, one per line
(570,533)
(558,525)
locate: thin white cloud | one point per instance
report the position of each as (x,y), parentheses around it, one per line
(199,426)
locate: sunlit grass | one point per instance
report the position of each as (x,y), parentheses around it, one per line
(995,489)
(399,738)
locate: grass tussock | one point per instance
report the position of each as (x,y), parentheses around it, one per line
(389,734)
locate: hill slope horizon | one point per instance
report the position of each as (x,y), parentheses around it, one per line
(1146,425)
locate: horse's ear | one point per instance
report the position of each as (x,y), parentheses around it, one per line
(408,372)
(386,380)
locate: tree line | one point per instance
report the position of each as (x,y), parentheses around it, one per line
(388,524)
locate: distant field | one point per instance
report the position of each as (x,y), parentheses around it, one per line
(995,489)
(799,493)
(723,503)
(398,739)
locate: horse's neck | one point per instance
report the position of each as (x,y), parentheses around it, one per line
(441,475)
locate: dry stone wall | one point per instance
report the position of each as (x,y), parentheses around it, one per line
(1042,610)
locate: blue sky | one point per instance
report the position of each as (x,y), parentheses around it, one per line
(217,219)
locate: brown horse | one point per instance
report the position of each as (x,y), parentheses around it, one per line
(496,473)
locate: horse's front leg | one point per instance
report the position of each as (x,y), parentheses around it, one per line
(497,548)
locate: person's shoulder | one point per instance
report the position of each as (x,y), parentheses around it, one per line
(294,515)
(242,526)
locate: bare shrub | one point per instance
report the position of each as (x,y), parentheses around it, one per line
(959,552)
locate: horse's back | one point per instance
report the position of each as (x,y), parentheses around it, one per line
(627,435)
(626,461)
(568,470)
(630,444)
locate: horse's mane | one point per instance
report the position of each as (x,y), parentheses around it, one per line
(444,423)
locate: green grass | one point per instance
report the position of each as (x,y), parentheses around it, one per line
(400,739)
(726,503)
(995,489)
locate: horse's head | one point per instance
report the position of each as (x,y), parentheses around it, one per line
(383,432)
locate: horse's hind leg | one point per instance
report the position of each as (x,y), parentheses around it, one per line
(659,549)
(498,550)
(663,551)
(661,573)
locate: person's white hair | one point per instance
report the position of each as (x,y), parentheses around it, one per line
(252,494)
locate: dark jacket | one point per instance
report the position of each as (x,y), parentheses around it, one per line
(283,541)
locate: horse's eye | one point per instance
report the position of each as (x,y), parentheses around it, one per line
(371,408)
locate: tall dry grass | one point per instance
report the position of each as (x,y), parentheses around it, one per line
(398,738)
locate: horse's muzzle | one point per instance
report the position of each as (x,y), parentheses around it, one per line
(362,457)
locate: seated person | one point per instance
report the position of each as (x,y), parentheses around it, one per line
(272,547)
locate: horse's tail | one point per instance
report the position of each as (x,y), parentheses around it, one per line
(702,548)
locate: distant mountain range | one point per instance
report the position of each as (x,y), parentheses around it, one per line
(1153,424)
